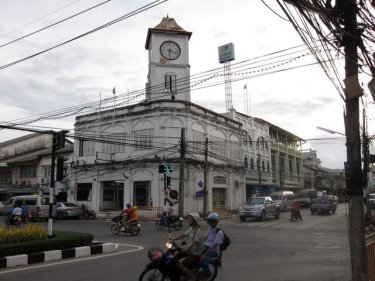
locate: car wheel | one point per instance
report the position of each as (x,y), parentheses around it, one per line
(312,212)
(60,216)
(242,218)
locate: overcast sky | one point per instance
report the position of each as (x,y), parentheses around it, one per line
(86,69)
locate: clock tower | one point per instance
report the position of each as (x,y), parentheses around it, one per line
(168,61)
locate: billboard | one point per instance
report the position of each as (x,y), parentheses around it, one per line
(226,53)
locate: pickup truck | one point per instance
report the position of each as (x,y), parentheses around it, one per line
(259,207)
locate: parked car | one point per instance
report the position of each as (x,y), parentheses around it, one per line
(38,205)
(259,207)
(67,210)
(324,205)
(371,200)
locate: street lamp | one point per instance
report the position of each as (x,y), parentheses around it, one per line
(330,131)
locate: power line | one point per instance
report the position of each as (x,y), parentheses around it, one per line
(51,25)
(126,16)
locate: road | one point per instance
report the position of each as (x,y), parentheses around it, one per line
(314,249)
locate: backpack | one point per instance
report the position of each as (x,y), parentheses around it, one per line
(226,241)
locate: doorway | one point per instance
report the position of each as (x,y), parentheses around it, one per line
(219,196)
(142,193)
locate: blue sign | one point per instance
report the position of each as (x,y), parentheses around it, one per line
(199,193)
(200,184)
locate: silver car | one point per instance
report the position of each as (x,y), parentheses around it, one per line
(67,210)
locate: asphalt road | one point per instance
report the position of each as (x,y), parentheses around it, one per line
(314,249)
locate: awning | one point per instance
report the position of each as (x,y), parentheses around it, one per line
(27,157)
(26,190)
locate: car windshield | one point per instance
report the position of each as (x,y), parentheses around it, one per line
(322,200)
(303,195)
(253,201)
(70,205)
(277,197)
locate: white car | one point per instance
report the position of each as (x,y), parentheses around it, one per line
(371,200)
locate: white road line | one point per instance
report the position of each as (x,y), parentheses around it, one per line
(72,260)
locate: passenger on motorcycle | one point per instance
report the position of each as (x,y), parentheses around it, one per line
(213,239)
(190,256)
(133,216)
(296,211)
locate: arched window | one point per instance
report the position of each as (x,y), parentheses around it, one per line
(252,164)
(246,164)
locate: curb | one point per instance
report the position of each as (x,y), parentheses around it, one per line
(55,255)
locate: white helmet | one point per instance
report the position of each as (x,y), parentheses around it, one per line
(196,217)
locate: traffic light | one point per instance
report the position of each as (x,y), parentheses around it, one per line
(168,184)
(60,168)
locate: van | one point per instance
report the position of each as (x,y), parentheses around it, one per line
(284,198)
(38,205)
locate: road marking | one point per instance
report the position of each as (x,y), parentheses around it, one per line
(29,267)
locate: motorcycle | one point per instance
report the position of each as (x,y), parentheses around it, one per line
(133,228)
(164,265)
(170,222)
(14,221)
(87,213)
(26,217)
(295,215)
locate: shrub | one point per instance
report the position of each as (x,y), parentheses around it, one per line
(30,232)
(60,240)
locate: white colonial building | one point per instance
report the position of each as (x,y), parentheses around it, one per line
(117,152)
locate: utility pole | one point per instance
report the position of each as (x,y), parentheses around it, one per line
(354,181)
(181,188)
(366,160)
(260,173)
(205,190)
(52,184)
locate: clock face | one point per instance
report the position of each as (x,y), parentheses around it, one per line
(170,50)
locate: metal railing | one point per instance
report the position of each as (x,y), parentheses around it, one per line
(149,213)
(370,255)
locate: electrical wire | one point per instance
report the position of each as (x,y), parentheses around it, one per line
(126,16)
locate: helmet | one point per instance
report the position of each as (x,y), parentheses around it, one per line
(196,217)
(128,205)
(213,217)
(134,208)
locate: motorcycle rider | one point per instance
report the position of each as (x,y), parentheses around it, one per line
(125,215)
(169,214)
(296,211)
(14,212)
(190,256)
(213,239)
